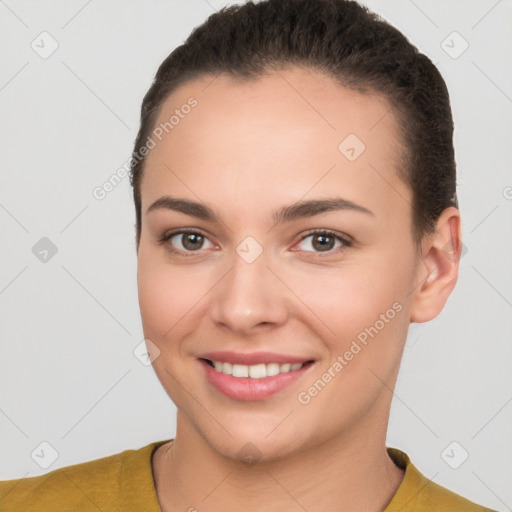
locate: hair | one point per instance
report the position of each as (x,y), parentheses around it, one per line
(349,43)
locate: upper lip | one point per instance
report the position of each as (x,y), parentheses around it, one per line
(253,358)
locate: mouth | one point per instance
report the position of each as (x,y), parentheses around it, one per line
(255,371)
(252,377)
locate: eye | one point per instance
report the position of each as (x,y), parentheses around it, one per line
(189,242)
(186,241)
(324,241)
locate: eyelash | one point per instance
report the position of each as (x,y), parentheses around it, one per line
(347,242)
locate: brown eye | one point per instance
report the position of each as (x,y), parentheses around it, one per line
(323,241)
(186,243)
(192,241)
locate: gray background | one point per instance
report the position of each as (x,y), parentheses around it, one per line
(68,375)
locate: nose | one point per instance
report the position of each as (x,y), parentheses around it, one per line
(250,297)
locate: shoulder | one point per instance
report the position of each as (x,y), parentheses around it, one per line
(82,486)
(99,484)
(417,493)
(439,498)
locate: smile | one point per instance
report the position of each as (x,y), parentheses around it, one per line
(256,371)
(255,376)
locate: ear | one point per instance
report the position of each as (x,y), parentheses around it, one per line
(439,267)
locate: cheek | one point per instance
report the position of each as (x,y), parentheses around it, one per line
(160,296)
(363,310)
(347,300)
(168,294)
(366,314)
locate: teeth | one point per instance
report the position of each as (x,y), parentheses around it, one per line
(272,369)
(255,371)
(240,370)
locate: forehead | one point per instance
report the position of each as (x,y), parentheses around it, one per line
(284,134)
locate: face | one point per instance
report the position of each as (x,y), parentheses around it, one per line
(290,244)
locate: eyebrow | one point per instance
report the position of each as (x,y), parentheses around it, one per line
(301,209)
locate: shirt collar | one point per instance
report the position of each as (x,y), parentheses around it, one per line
(139,493)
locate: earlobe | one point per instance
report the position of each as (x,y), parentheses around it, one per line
(439,267)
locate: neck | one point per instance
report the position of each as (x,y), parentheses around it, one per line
(346,473)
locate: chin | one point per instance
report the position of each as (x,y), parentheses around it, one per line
(249,442)
(254,451)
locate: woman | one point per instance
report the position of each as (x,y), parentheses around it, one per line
(294,187)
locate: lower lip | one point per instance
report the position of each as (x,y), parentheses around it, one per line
(245,388)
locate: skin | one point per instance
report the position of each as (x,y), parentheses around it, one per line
(247,149)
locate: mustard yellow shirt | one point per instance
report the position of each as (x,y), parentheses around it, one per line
(124,482)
